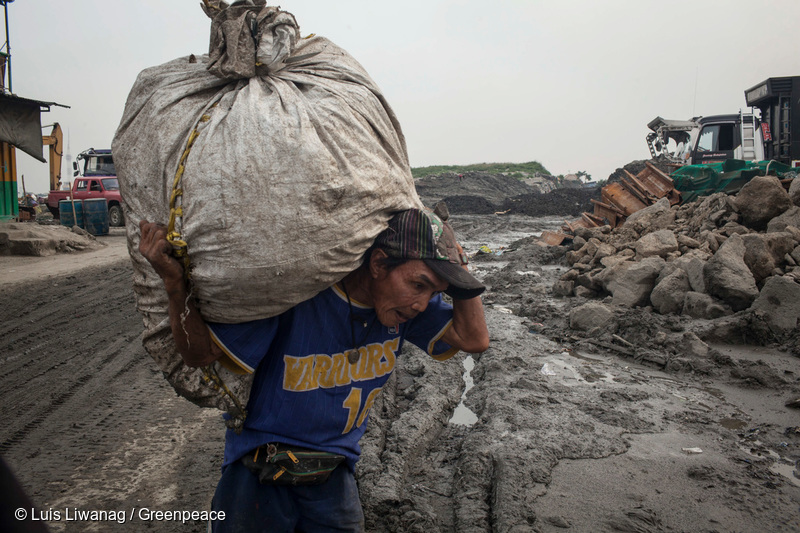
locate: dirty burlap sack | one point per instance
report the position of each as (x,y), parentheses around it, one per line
(281,162)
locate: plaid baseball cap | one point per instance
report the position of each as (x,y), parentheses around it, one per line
(426,235)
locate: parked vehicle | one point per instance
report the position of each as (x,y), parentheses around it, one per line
(703,140)
(94,176)
(719,153)
(773,134)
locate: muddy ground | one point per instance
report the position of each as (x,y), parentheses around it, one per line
(556,432)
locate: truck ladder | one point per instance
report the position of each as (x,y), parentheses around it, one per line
(748,132)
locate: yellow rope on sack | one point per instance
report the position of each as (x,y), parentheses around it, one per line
(180,250)
(175,238)
(213,379)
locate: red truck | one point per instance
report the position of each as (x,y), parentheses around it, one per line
(94,177)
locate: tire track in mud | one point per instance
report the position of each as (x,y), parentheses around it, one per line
(93,423)
(59,368)
(546,442)
(408,425)
(20,434)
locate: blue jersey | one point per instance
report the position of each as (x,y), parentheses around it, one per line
(305,391)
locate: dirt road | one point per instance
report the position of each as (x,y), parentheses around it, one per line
(561,436)
(90,423)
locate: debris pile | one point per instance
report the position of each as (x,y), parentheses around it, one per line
(44,240)
(492,189)
(563,201)
(482,193)
(718,257)
(634,167)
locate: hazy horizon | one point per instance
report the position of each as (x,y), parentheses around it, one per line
(571,85)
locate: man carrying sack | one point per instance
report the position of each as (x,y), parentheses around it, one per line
(319,366)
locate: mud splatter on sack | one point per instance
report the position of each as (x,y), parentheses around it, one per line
(280,161)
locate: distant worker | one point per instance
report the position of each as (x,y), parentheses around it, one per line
(461,177)
(319,367)
(29,200)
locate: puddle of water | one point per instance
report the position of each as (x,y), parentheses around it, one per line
(581,355)
(787,471)
(779,466)
(481,269)
(732,423)
(570,374)
(462,414)
(781,361)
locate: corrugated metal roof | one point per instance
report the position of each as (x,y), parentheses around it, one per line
(20,123)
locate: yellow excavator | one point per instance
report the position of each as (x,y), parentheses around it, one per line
(28,210)
(56,143)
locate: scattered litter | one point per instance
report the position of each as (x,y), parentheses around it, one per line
(547,371)
(527,273)
(485,250)
(691,451)
(504,309)
(621,340)
(794,403)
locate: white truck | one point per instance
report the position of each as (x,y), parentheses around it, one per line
(772,134)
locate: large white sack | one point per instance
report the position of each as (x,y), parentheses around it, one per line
(292,175)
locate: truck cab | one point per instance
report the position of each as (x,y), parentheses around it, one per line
(94,163)
(94,176)
(722,137)
(703,140)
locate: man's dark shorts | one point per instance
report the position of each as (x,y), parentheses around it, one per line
(249,506)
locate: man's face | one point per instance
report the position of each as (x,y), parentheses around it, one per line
(400,294)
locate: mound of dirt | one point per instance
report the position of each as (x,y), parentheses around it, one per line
(43,240)
(480,193)
(475,205)
(557,202)
(559,414)
(493,188)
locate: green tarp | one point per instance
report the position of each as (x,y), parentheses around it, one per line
(729,176)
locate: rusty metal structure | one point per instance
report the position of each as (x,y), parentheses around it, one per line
(619,200)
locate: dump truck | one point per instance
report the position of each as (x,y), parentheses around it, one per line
(719,153)
(773,134)
(704,140)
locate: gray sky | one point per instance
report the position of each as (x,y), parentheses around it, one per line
(571,84)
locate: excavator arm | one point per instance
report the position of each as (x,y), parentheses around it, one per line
(56,143)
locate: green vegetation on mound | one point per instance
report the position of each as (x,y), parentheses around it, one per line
(517,170)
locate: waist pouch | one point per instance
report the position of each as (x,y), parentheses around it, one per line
(279,464)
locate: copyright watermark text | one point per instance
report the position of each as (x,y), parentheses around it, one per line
(122,516)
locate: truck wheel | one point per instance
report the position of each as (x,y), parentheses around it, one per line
(115,216)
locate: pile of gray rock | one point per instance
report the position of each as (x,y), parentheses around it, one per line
(716,257)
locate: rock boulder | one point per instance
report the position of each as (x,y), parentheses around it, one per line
(631,283)
(591,315)
(668,296)
(653,217)
(658,243)
(779,304)
(794,192)
(699,305)
(790,217)
(727,276)
(760,200)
